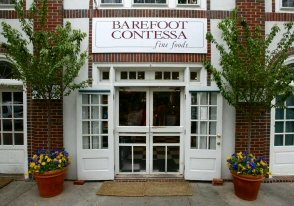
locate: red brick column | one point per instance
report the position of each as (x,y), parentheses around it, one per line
(254,11)
(37,116)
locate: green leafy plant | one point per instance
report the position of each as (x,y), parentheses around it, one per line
(46,61)
(251,74)
(247,164)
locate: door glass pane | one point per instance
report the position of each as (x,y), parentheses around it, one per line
(104,128)
(18,111)
(86,127)
(18,125)
(18,139)
(212,128)
(95,113)
(166,108)
(85,99)
(194,112)
(7,139)
(166,139)
(18,97)
(213,98)
(139,159)
(104,112)
(95,127)
(212,143)
(125,158)
(194,127)
(132,108)
(104,142)
(132,139)
(173,158)
(203,142)
(86,142)
(95,142)
(203,127)
(86,113)
(7,124)
(194,142)
(194,98)
(204,98)
(279,140)
(94,99)
(158,159)
(212,113)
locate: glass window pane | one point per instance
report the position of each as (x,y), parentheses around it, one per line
(166,139)
(94,99)
(95,127)
(212,128)
(6,97)
(95,112)
(279,113)
(86,142)
(104,142)
(212,113)
(7,139)
(18,125)
(86,113)
(175,75)
(203,142)
(139,159)
(95,142)
(105,75)
(125,158)
(194,112)
(85,98)
(194,142)
(212,142)
(159,159)
(18,97)
(166,75)
(104,99)
(194,127)
(279,140)
(7,125)
(132,108)
(279,127)
(104,128)
(173,158)
(204,98)
(290,126)
(132,139)
(290,113)
(158,75)
(124,75)
(203,127)
(141,75)
(7,111)
(193,76)
(132,75)
(104,112)
(18,139)
(18,111)
(86,127)
(194,98)
(289,139)
(204,113)
(290,100)
(213,98)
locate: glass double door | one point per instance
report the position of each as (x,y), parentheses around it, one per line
(149,132)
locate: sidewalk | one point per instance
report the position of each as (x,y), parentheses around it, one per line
(204,194)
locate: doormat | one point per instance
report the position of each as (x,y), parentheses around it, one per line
(141,189)
(4,181)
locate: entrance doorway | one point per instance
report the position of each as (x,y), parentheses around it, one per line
(149,135)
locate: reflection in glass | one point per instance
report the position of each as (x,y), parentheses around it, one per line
(166,108)
(132,108)
(18,111)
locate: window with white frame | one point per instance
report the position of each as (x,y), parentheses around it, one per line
(287,3)
(95,121)
(114,2)
(144,2)
(284,124)
(203,120)
(188,2)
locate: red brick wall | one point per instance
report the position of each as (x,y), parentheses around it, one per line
(254,11)
(260,136)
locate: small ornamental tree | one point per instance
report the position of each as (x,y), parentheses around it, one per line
(251,73)
(50,68)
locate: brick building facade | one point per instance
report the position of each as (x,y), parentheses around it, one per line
(102,126)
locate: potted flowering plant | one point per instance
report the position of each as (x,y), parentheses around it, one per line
(248,172)
(49,169)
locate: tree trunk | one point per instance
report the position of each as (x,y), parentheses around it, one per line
(49,123)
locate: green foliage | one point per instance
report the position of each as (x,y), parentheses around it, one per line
(250,72)
(46,61)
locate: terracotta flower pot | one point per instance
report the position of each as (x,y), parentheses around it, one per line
(50,183)
(247,186)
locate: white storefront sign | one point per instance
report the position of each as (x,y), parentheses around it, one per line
(149,35)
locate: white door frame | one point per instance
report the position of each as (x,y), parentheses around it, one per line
(148,130)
